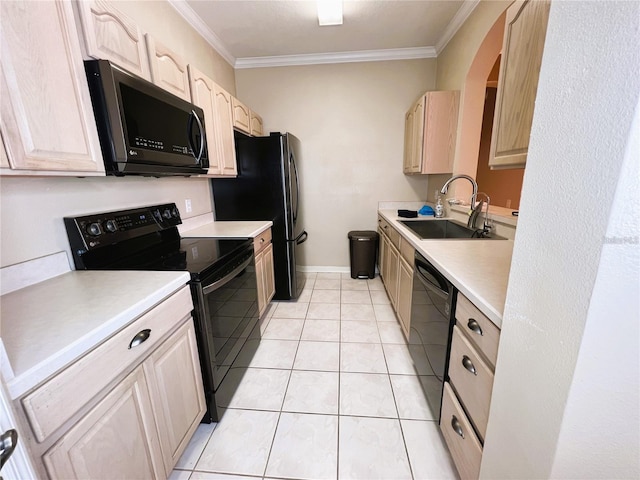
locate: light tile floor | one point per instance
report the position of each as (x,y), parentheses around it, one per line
(332,392)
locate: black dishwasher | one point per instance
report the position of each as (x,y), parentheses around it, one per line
(432,319)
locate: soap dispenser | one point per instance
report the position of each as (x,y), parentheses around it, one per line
(439,207)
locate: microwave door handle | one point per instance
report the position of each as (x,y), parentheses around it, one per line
(201,135)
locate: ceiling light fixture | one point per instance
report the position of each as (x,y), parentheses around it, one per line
(329,12)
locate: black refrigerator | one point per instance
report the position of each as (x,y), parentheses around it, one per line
(267,188)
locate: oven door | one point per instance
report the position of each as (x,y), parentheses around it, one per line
(226,313)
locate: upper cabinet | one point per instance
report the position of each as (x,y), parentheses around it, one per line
(216,104)
(47,120)
(168,69)
(241,116)
(430,133)
(257,129)
(110,35)
(524,35)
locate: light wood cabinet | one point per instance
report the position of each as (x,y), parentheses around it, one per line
(430,133)
(265,274)
(257,129)
(396,271)
(241,116)
(467,399)
(110,35)
(138,407)
(168,69)
(47,120)
(405,289)
(523,44)
(175,384)
(216,105)
(117,439)
(224,131)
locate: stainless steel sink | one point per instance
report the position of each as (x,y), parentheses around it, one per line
(442,229)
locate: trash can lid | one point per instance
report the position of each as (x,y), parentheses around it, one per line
(362,234)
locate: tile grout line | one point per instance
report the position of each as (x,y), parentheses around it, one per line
(339,380)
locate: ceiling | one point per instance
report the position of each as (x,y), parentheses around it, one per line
(250,33)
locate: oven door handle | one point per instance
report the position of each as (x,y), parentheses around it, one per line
(227,278)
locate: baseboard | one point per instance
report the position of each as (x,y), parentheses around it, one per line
(325,269)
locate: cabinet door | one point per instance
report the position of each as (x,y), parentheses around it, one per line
(440,126)
(405,290)
(47,120)
(524,35)
(117,439)
(241,116)
(408,141)
(203,95)
(384,253)
(111,35)
(224,128)
(260,280)
(177,394)
(269,273)
(168,69)
(393,261)
(417,136)
(256,124)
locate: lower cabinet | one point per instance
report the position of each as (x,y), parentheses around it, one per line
(117,439)
(128,408)
(467,393)
(396,271)
(265,275)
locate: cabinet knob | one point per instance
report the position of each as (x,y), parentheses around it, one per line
(455,424)
(262,240)
(139,338)
(474,326)
(468,364)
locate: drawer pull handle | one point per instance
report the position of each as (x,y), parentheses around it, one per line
(455,424)
(474,326)
(140,337)
(262,240)
(468,364)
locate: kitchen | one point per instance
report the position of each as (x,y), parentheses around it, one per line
(372,164)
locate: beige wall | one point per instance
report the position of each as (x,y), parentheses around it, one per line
(31,209)
(350,122)
(454,63)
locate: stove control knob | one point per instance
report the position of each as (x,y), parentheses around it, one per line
(94,229)
(111,226)
(175,213)
(167,214)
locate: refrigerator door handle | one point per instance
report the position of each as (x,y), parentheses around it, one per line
(300,239)
(295,170)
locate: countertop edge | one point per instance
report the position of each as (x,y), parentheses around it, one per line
(38,374)
(422,246)
(230,229)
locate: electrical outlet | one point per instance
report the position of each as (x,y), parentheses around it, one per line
(187,205)
(508,203)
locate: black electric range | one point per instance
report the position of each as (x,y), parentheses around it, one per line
(223,283)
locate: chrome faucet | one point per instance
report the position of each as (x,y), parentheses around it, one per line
(486,224)
(445,187)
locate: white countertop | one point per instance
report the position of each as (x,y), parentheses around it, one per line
(46,326)
(477,268)
(230,229)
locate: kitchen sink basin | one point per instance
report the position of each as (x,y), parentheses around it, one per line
(444,229)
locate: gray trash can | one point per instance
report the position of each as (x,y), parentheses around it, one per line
(363,247)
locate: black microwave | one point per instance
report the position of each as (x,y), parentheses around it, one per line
(143,129)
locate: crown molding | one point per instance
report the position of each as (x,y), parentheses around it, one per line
(193,19)
(456,22)
(338,57)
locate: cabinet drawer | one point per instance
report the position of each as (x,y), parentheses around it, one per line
(407,251)
(478,328)
(57,400)
(463,444)
(472,379)
(262,241)
(390,232)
